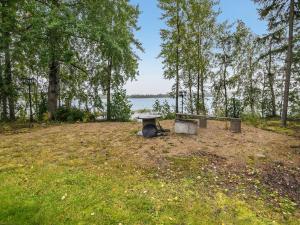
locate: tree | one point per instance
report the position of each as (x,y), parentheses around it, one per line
(280,14)
(224,61)
(8,20)
(171,41)
(246,79)
(201,26)
(270,57)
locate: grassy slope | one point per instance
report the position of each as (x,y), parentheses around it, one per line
(114,191)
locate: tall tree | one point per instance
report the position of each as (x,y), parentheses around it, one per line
(8,19)
(281,14)
(224,62)
(201,20)
(171,41)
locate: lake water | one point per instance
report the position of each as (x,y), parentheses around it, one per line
(147,103)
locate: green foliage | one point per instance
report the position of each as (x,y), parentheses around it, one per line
(66,114)
(120,106)
(235,108)
(78,38)
(143,111)
(163,109)
(42,107)
(88,117)
(252,119)
(22,115)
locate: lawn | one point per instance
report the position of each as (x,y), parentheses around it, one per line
(102,173)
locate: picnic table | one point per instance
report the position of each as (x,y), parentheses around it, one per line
(151,126)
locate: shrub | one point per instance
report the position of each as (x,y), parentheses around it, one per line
(254,120)
(120,106)
(42,107)
(235,108)
(164,110)
(66,114)
(89,117)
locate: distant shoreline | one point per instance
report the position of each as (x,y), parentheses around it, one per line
(150,96)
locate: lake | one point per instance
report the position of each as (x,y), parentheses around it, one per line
(147,103)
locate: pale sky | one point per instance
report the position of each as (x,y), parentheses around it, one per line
(150,80)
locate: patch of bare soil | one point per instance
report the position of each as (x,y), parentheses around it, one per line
(285,180)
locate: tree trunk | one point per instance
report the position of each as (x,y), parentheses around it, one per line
(177,58)
(53,89)
(4,108)
(271,82)
(289,62)
(54,69)
(202,93)
(3,103)
(251,96)
(198,71)
(263,97)
(198,94)
(191,92)
(8,80)
(3,100)
(225,89)
(108,94)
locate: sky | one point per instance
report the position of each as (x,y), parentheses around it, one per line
(150,79)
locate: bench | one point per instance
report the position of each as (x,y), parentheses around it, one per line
(184,126)
(235,123)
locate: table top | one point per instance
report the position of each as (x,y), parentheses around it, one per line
(149,117)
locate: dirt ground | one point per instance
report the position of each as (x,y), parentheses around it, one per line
(275,156)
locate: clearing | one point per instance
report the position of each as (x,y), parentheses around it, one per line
(102,173)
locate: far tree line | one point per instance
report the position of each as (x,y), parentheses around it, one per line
(245,72)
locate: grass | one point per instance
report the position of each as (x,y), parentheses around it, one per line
(56,180)
(274,125)
(63,195)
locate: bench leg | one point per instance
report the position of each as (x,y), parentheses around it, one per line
(203,122)
(236,125)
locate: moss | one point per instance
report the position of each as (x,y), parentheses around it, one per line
(60,195)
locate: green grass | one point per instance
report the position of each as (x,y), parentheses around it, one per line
(107,195)
(292,129)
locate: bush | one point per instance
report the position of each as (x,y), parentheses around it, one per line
(89,117)
(164,110)
(42,107)
(120,106)
(254,120)
(235,108)
(66,114)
